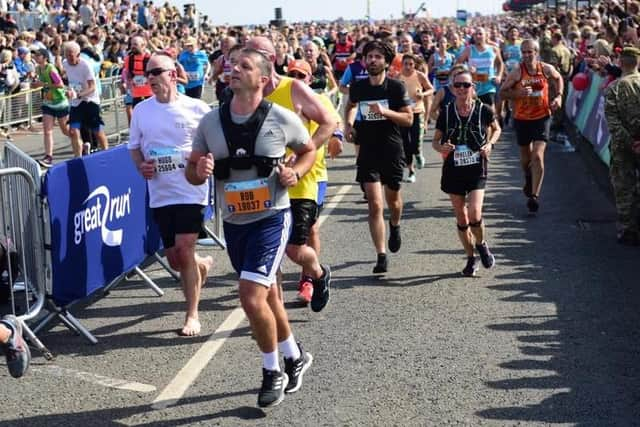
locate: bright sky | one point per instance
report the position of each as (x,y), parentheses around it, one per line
(239,12)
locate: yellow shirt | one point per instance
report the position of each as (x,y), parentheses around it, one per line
(307,187)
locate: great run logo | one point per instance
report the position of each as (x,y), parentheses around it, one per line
(100,210)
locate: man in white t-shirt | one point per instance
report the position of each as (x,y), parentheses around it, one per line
(161,134)
(83,97)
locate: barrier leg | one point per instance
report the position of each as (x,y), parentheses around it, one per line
(115,282)
(149,282)
(36,342)
(68,318)
(215,239)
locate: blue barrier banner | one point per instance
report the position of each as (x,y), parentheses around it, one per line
(101,226)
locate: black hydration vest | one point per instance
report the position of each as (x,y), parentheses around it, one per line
(241,142)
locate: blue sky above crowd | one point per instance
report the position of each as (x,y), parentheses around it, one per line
(247,12)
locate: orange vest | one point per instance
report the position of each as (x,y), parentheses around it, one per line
(536,105)
(139,85)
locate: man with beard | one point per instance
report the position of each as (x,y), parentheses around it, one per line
(135,65)
(529,87)
(383,106)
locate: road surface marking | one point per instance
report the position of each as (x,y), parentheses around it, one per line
(174,391)
(58,371)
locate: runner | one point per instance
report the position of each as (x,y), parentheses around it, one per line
(299,98)
(196,65)
(306,230)
(418,88)
(55,104)
(160,140)
(247,138)
(382,108)
(13,346)
(486,65)
(323,80)
(343,53)
(512,58)
(84,99)
(466,131)
(134,68)
(528,87)
(222,66)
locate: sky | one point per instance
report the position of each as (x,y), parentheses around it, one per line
(243,12)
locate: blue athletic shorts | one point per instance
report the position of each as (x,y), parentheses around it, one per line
(256,250)
(322,192)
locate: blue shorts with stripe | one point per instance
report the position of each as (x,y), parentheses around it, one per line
(256,249)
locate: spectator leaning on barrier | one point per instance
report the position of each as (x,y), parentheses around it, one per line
(623,120)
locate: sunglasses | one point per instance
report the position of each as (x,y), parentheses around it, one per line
(465,85)
(296,75)
(155,72)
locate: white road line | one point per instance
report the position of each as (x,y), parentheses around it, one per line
(174,391)
(58,371)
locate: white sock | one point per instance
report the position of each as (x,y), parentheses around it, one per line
(290,348)
(270,361)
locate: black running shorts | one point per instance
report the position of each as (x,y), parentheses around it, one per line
(179,219)
(528,131)
(304,213)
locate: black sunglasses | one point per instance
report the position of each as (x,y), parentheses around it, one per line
(156,71)
(465,85)
(296,75)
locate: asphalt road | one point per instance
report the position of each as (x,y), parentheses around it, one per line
(549,336)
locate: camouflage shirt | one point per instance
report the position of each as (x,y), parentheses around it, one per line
(621,109)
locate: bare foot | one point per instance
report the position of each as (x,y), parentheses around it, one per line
(204,265)
(191,328)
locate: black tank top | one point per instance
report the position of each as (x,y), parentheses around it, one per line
(319,81)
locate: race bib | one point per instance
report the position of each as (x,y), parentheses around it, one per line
(464,156)
(368,114)
(167,160)
(139,80)
(247,196)
(77,87)
(193,76)
(534,99)
(512,64)
(480,77)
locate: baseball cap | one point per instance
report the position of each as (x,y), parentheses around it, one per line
(190,41)
(299,65)
(22,50)
(40,52)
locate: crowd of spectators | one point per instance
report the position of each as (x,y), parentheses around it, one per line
(591,37)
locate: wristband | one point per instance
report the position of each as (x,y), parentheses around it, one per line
(338,134)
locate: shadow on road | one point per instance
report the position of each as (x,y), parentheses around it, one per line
(586,352)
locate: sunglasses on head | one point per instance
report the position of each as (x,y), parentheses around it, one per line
(296,75)
(155,72)
(465,85)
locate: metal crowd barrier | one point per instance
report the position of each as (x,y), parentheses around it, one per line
(25,107)
(20,218)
